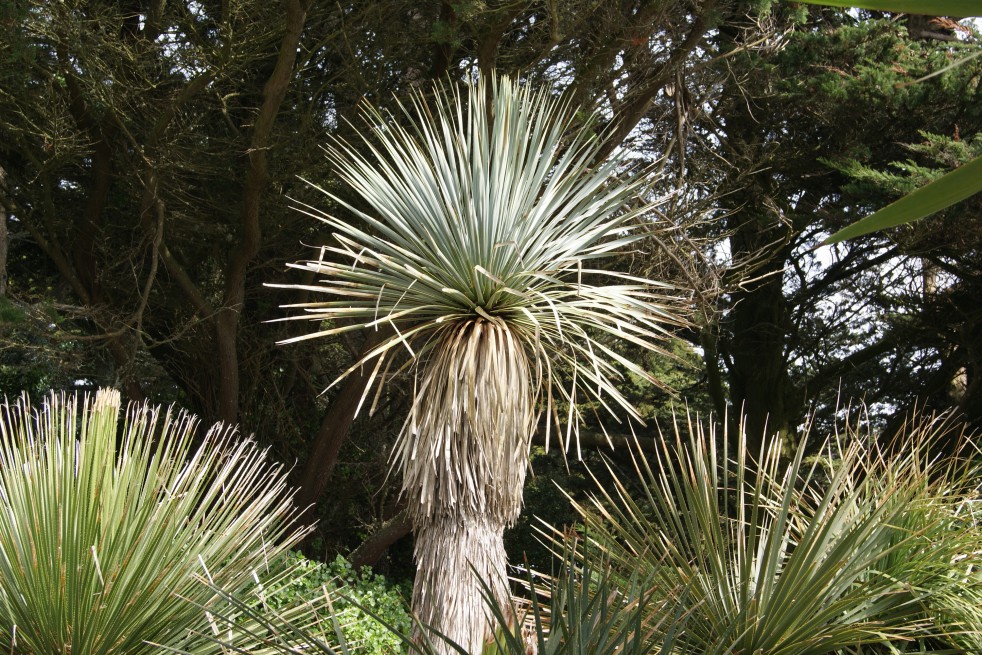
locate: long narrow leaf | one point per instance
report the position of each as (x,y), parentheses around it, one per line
(961,183)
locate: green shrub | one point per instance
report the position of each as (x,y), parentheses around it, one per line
(370,609)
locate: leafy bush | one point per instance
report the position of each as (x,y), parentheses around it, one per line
(115,530)
(370,609)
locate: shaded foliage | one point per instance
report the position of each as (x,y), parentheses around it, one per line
(147,148)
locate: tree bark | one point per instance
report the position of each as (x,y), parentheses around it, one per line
(333,432)
(459,560)
(250,235)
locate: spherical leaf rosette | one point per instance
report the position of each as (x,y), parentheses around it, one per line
(484,215)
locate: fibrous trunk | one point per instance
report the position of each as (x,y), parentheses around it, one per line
(458,561)
(464,455)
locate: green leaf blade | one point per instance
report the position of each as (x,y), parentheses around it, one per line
(960,184)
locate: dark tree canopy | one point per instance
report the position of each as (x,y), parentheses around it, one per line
(149,149)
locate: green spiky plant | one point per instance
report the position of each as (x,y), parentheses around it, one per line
(114,527)
(859,550)
(476,243)
(938,550)
(581,610)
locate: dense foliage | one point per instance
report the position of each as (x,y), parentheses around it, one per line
(147,150)
(812,327)
(372,610)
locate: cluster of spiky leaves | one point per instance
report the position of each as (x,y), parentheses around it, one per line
(476,246)
(489,208)
(810,556)
(115,528)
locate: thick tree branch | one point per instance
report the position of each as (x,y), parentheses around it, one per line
(250,234)
(333,431)
(372,549)
(639,101)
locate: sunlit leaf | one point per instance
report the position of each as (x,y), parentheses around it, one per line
(961,183)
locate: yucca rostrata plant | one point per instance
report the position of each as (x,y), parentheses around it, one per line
(115,527)
(857,547)
(474,242)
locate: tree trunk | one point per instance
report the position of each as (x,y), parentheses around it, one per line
(4,237)
(459,561)
(250,234)
(760,389)
(464,455)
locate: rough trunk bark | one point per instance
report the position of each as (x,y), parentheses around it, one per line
(459,560)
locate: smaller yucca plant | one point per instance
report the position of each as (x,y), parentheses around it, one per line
(590,608)
(803,557)
(115,529)
(938,554)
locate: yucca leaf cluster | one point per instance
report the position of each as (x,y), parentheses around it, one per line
(491,206)
(116,527)
(857,548)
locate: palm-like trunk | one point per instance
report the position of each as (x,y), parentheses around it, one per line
(464,456)
(454,558)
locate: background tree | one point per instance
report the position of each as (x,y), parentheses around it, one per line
(149,147)
(838,88)
(931,315)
